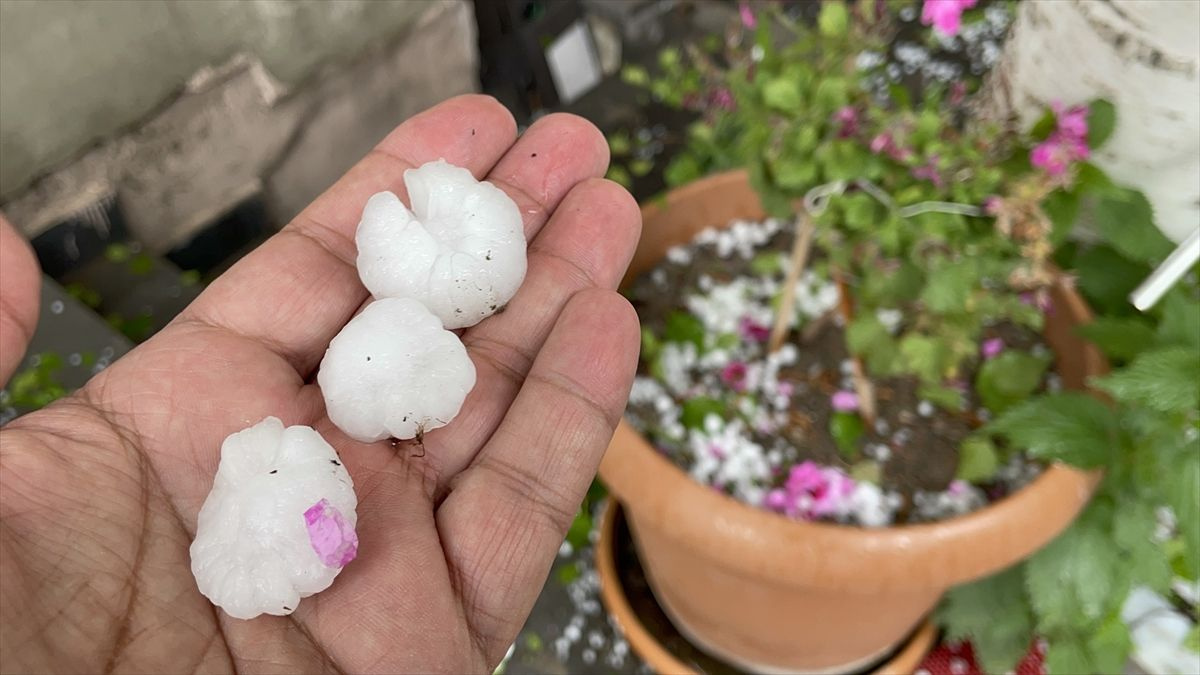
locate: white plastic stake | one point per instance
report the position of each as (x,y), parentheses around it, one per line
(1168,273)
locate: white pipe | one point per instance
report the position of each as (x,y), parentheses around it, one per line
(1168,273)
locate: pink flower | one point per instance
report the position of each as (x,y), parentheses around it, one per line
(844,401)
(958,92)
(1068,143)
(721,98)
(1056,154)
(777,500)
(945,15)
(992,348)
(1072,121)
(882,142)
(752,331)
(957,487)
(832,498)
(812,491)
(847,117)
(734,375)
(805,477)
(929,172)
(785,389)
(992,205)
(748,19)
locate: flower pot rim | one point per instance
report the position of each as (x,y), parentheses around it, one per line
(755,542)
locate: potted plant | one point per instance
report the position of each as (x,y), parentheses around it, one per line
(1137,545)
(846,386)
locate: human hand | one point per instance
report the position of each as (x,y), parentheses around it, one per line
(99,492)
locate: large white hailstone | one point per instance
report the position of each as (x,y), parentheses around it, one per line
(460,250)
(278,524)
(394,372)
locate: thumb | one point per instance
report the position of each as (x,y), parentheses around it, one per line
(20,286)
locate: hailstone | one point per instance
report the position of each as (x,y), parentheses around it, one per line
(460,250)
(394,371)
(278,524)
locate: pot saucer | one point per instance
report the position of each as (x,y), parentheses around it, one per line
(627,597)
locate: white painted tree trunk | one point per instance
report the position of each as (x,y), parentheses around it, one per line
(1144,56)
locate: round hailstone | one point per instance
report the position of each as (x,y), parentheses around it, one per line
(394,372)
(460,251)
(278,524)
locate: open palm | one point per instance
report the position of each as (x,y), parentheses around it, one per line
(99,492)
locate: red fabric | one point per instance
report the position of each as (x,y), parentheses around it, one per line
(950,658)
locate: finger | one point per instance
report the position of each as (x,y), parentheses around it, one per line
(20,288)
(298,289)
(587,244)
(507,513)
(556,153)
(317,291)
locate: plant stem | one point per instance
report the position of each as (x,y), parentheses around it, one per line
(801,245)
(862,384)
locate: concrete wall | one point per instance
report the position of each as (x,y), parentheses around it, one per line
(75,71)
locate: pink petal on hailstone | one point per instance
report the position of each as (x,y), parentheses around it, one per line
(331,536)
(844,401)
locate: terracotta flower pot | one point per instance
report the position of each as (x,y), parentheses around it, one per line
(772,594)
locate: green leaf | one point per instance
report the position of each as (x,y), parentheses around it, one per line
(794,173)
(1062,208)
(635,75)
(1119,338)
(977,460)
(577,535)
(923,356)
(619,143)
(1101,121)
(994,614)
(641,167)
(1167,380)
(618,174)
(767,263)
(948,398)
(1180,321)
(1109,646)
(1067,654)
(866,337)
(117,253)
(846,429)
(1192,641)
(568,573)
(1009,379)
(833,19)
(1044,126)
(862,213)
(782,94)
(683,327)
(695,410)
(683,169)
(1126,220)
(1069,427)
(950,285)
(1181,485)
(902,285)
(1107,278)
(1143,562)
(1070,580)
(650,344)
